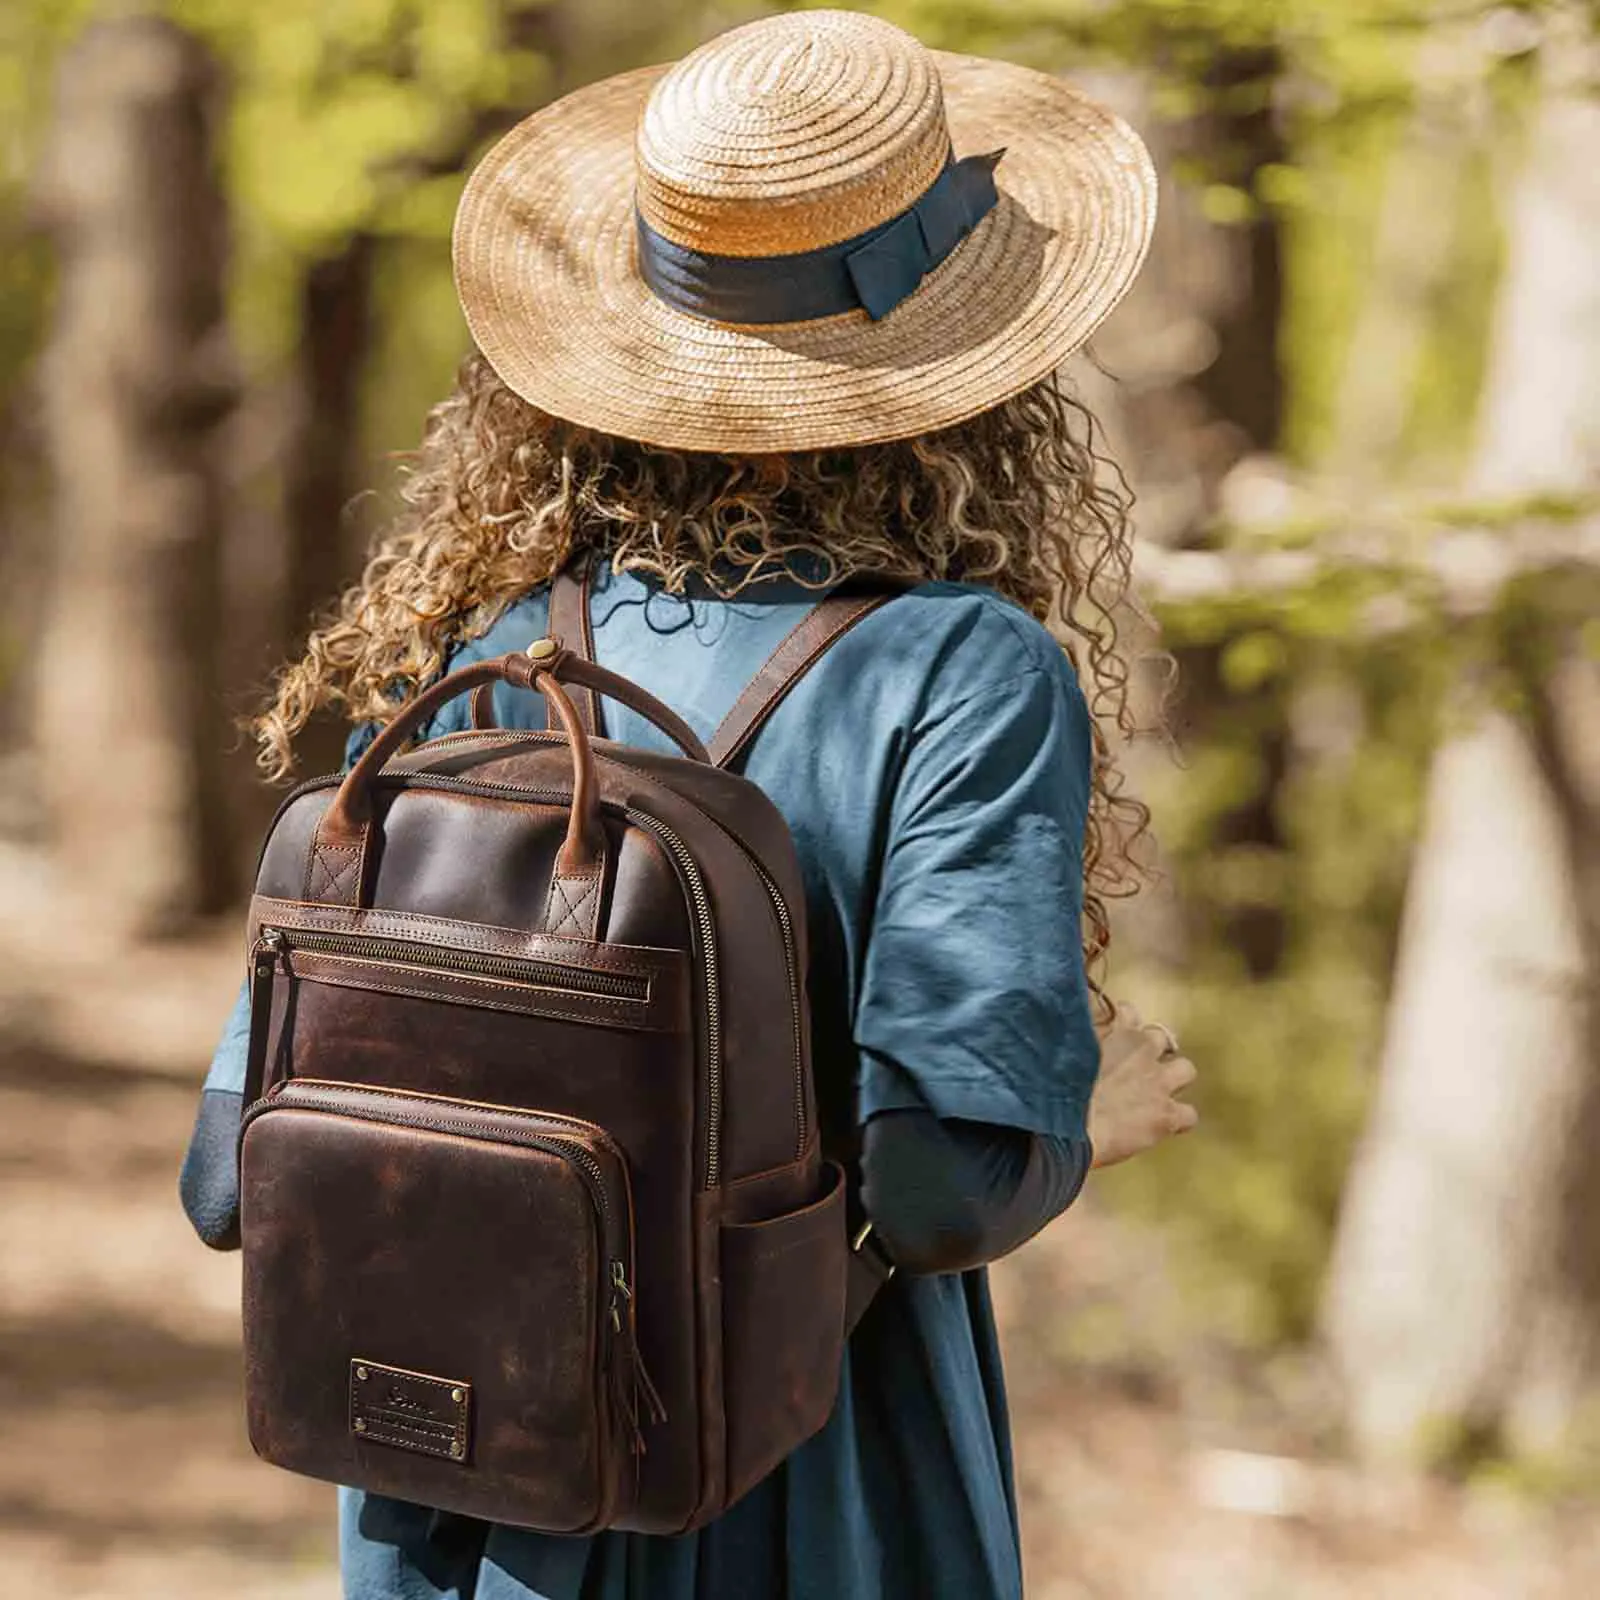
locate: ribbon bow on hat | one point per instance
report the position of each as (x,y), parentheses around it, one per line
(874,270)
(891,264)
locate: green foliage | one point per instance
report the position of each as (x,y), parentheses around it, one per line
(29,40)
(1328,250)
(1455,331)
(1288,1056)
(342,106)
(351,116)
(1357,53)
(345,116)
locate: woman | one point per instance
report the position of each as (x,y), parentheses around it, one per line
(766,336)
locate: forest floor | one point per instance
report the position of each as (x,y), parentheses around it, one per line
(126,1475)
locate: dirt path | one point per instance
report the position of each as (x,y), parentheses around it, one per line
(125,1474)
(125,1470)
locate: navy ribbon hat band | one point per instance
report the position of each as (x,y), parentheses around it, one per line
(874,270)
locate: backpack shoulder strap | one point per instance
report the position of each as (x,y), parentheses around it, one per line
(569,622)
(796,654)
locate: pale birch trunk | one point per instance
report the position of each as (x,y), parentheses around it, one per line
(1461,1296)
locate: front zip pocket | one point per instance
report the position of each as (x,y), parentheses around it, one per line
(618,988)
(439,1302)
(548,977)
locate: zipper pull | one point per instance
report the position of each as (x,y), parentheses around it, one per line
(271,951)
(632,1386)
(619,1291)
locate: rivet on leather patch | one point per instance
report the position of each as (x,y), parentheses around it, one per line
(410,1410)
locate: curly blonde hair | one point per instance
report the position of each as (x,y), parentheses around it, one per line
(500,495)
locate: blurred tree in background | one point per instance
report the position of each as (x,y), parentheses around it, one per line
(1356,394)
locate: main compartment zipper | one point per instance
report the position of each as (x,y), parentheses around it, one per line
(559,976)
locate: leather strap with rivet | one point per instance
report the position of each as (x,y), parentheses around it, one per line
(569,626)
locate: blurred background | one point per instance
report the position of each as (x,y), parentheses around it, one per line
(1345,1341)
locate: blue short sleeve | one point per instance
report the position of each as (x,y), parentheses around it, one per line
(974,1000)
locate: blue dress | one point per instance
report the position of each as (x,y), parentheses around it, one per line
(934,769)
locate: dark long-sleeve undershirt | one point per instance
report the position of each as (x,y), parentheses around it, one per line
(945,1195)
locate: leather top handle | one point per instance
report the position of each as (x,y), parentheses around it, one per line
(596,680)
(337,869)
(347,820)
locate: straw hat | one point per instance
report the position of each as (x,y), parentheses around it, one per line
(810,232)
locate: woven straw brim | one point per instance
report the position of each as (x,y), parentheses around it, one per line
(544,259)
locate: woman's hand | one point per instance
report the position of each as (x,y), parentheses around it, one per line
(1135,1104)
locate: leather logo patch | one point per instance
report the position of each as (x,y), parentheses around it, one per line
(410,1410)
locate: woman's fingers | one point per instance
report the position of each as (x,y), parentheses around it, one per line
(1134,1104)
(1162,1035)
(1177,1073)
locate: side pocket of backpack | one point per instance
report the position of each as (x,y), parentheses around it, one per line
(783,1289)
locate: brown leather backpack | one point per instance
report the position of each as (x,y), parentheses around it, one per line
(535,1219)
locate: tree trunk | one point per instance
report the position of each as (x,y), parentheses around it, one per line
(136,378)
(1463,1295)
(325,460)
(1244,384)
(1558,1364)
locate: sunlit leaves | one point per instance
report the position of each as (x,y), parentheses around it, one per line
(342,106)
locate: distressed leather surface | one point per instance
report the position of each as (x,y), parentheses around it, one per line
(739,1282)
(364,1241)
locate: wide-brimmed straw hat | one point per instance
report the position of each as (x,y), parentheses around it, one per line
(810,232)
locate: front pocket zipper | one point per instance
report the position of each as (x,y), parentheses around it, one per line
(556,977)
(623,1379)
(471,1119)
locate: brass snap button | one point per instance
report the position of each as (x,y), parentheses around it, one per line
(542,649)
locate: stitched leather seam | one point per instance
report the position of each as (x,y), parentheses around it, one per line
(786,641)
(376,983)
(766,1174)
(484,936)
(781,691)
(472,983)
(325,860)
(572,910)
(797,640)
(469,983)
(586,642)
(586,699)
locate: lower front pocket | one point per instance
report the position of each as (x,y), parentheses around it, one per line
(783,1294)
(437,1302)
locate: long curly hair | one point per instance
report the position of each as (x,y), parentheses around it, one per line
(501,494)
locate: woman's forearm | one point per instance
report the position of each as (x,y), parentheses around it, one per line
(946,1195)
